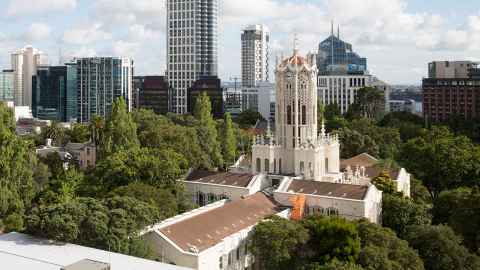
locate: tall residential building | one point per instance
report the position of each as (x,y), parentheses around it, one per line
(191,46)
(101,80)
(452,89)
(337,56)
(255,55)
(7,78)
(24,63)
(54,93)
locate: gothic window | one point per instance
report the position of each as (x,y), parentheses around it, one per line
(259,165)
(310,169)
(304,115)
(326,165)
(280,165)
(302,167)
(289,114)
(274,165)
(267,165)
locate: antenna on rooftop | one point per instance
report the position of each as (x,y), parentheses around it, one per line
(295,44)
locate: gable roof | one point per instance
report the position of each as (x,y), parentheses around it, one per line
(207,229)
(221,178)
(354,192)
(362,160)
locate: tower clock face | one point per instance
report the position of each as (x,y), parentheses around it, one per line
(289,76)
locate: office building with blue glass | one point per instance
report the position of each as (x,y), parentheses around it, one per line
(52,96)
(336,56)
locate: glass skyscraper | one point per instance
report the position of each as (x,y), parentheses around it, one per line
(336,56)
(191,46)
(49,93)
(101,80)
(7,78)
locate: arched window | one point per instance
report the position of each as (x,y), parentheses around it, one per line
(267,165)
(289,114)
(326,165)
(304,115)
(279,165)
(274,165)
(302,167)
(259,165)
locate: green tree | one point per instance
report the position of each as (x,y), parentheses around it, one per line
(419,192)
(120,130)
(385,183)
(441,160)
(207,131)
(369,103)
(248,118)
(330,239)
(228,140)
(383,250)
(55,132)
(97,129)
(275,243)
(460,209)
(151,166)
(79,133)
(440,248)
(161,198)
(334,265)
(398,213)
(353,143)
(17,163)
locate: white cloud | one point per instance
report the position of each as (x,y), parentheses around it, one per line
(36,32)
(125,48)
(27,7)
(86,34)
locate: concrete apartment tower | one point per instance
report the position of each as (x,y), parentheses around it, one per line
(255,55)
(191,46)
(24,64)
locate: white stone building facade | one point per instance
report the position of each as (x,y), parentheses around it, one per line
(297,148)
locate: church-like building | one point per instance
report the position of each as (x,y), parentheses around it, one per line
(297,148)
(293,172)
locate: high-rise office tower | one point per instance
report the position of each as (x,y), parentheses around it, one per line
(7,78)
(54,93)
(24,64)
(336,56)
(101,80)
(191,46)
(255,55)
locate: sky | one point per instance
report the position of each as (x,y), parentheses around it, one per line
(399,37)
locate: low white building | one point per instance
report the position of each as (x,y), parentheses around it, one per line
(24,252)
(333,199)
(208,187)
(212,237)
(371,168)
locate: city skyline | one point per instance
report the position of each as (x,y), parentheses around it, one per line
(417,31)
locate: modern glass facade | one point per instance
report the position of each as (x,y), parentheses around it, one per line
(71,93)
(101,80)
(49,93)
(336,56)
(7,78)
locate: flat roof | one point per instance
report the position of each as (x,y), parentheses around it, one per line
(354,192)
(221,178)
(21,251)
(205,230)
